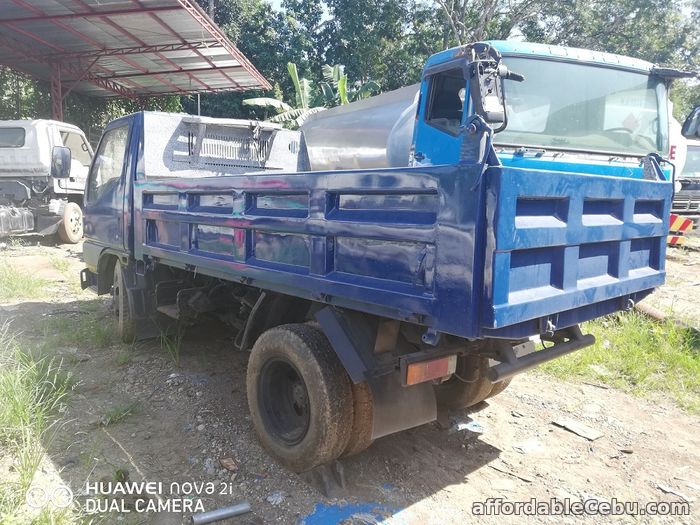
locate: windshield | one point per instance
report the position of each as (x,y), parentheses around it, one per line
(692,162)
(567,106)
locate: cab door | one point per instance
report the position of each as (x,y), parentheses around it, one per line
(439,130)
(81,158)
(107,186)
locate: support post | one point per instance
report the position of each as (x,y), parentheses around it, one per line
(56,93)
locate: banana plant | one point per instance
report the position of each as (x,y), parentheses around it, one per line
(334,91)
(337,90)
(290,116)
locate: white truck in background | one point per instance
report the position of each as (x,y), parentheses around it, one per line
(41,190)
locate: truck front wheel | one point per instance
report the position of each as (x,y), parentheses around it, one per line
(70,229)
(299,396)
(120,306)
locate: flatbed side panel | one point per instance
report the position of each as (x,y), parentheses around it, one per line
(371,240)
(560,241)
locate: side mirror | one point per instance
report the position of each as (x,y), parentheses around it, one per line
(486,90)
(60,162)
(486,75)
(691,126)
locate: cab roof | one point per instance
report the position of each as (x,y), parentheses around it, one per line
(29,123)
(547,51)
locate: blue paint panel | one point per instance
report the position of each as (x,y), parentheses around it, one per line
(163,233)
(221,241)
(222,203)
(396,261)
(606,241)
(162,201)
(282,248)
(614,168)
(603,212)
(642,254)
(409,208)
(282,205)
(597,260)
(533,212)
(536,268)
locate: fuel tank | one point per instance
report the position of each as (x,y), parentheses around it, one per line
(372,133)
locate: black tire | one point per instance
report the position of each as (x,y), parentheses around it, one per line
(120,306)
(299,397)
(499,387)
(363,418)
(471,387)
(70,229)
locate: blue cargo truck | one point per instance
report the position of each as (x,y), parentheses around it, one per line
(399,256)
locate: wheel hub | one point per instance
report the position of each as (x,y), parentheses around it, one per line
(284,401)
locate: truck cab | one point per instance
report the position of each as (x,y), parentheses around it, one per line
(34,195)
(576,110)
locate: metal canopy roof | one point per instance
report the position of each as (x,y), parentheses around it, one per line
(129,48)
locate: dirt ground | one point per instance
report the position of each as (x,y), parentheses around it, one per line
(680,296)
(187,418)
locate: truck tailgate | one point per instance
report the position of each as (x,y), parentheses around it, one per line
(560,241)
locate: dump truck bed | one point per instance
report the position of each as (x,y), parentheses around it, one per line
(507,253)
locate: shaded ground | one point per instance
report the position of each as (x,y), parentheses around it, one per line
(174,423)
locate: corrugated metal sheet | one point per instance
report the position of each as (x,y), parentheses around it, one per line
(123,47)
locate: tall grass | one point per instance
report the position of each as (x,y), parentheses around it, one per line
(15,284)
(638,355)
(32,391)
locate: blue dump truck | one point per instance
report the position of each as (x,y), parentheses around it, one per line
(396,257)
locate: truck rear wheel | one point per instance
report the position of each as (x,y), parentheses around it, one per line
(499,387)
(299,396)
(363,419)
(120,306)
(471,387)
(70,229)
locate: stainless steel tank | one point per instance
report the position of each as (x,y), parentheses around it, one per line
(372,133)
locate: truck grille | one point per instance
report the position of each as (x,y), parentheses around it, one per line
(686,201)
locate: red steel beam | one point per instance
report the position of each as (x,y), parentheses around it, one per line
(135,50)
(207,23)
(22,50)
(56,93)
(172,32)
(175,71)
(91,14)
(19,48)
(85,38)
(37,38)
(139,42)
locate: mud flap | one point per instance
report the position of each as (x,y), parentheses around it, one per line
(397,407)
